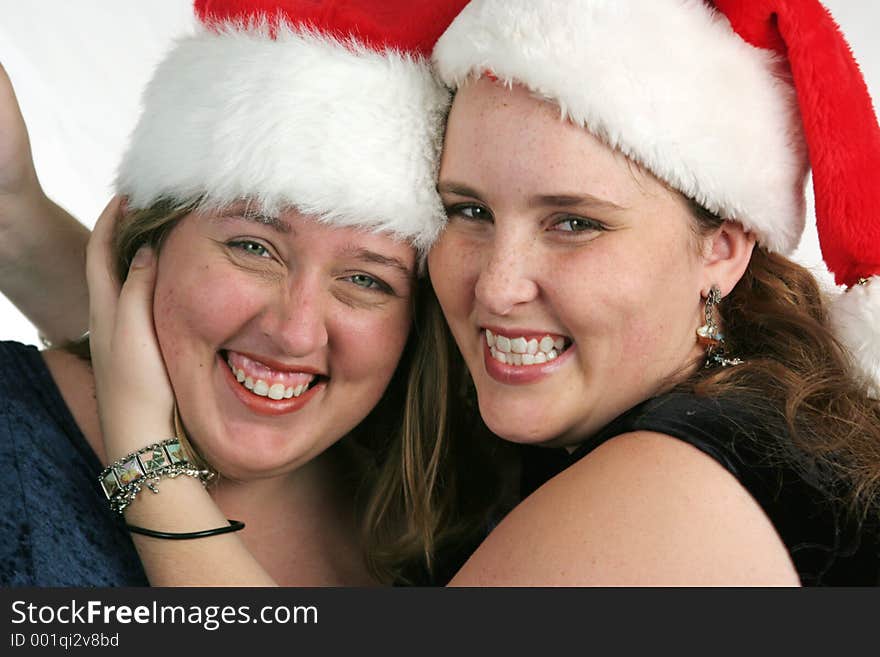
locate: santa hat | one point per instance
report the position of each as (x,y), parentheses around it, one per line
(329,107)
(730,102)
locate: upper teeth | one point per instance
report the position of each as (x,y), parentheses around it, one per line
(523,351)
(265,388)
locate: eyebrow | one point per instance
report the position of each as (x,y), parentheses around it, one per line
(573,200)
(248,214)
(541,200)
(366,255)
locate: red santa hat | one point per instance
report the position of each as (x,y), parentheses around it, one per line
(731,103)
(329,107)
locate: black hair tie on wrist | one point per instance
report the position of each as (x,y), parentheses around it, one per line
(233,526)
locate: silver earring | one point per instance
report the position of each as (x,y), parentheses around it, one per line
(710,336)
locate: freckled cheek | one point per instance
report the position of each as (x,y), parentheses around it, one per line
(202,307)
(368,348)
(454,265)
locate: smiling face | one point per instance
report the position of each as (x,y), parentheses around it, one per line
(570,279)
(280,334)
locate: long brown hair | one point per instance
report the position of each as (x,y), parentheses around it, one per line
(776,321)
(445,477)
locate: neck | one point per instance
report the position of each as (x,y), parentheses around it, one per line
(301,526)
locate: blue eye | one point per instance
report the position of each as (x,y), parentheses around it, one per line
(252,248)
(368,282)
(576,225)
(469,211)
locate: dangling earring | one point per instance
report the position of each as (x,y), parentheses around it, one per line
(710,336)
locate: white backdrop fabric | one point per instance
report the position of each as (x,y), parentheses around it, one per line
(78,68)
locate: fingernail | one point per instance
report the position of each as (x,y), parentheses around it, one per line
(142,257)
(123,206)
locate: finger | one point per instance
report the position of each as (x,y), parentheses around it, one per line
(100,276)
(134,309)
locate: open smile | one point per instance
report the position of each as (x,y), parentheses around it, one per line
(524,357)
(269,389)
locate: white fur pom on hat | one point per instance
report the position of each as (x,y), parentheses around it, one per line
(330,108)
(730,102)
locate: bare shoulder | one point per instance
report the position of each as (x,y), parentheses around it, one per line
(642,509)
(75,380)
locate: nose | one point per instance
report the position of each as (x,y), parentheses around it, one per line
(296,321)
(506,278)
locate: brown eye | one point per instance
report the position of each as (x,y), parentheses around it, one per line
(469,211)
(576,225)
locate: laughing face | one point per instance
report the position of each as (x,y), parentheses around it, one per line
(280,334)
(570,279)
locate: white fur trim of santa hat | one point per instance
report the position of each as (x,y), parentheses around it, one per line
(288,117)
(855,317)
(666,82)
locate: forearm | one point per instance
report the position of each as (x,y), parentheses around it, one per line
(42,264)
(183,505)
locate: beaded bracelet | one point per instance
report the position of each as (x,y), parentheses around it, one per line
(123,479)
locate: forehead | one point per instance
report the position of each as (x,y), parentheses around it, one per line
(527,138)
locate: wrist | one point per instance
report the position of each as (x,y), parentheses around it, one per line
(121,439)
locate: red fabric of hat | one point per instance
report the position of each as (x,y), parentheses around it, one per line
(398,24)
(843,137)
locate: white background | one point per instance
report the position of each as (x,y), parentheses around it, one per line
(78,67)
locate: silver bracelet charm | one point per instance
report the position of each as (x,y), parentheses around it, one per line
(123,479)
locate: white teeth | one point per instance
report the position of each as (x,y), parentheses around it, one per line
(500,356)
(276,391)
(519,345)
(522,351)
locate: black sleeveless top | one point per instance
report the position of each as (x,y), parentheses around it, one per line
(826,547)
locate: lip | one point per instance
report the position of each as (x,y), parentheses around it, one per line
(264,405)
(279,366)
(521,374)
(528,334)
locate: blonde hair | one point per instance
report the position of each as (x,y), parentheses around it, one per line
(399,523)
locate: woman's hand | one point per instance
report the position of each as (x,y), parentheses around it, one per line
(135,399)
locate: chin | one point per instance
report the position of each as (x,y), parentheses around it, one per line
(261,457)
(518,430)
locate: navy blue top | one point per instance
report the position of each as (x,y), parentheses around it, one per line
(825,546)
(56,528)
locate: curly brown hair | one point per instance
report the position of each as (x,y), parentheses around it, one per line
(776,321)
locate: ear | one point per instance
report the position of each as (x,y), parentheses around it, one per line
(727,253)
